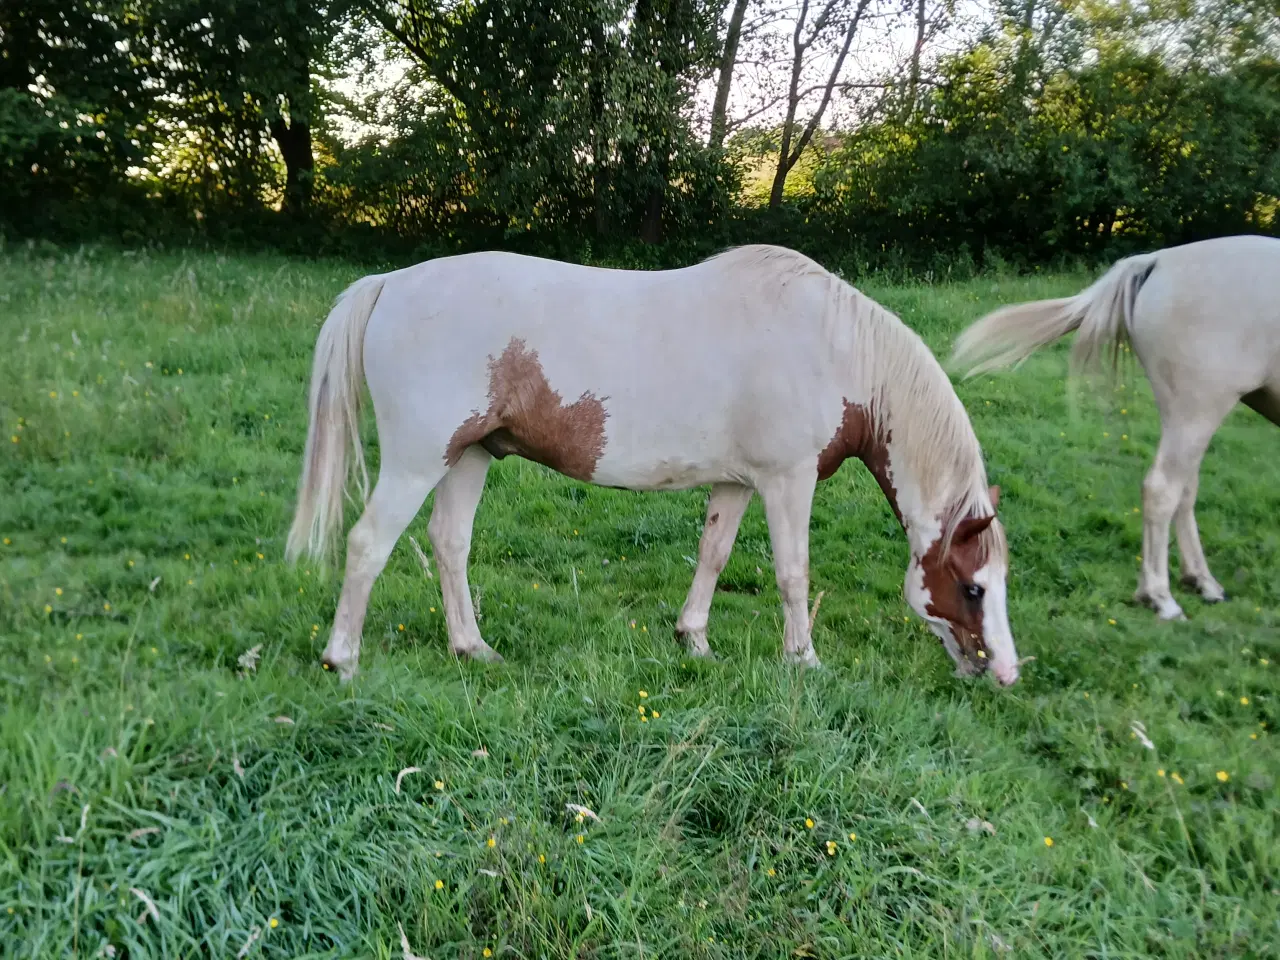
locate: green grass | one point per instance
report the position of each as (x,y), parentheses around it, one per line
(143,511)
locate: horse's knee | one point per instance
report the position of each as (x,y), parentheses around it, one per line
(1160,493)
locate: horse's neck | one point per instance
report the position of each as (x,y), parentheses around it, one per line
(894,474)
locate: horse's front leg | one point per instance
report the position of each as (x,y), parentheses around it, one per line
(725,507)
(788,501)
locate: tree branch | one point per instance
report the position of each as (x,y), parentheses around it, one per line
(814,120)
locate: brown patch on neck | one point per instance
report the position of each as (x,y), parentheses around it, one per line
(857,437)
(526,418)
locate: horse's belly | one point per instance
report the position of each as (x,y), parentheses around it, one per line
(668,473)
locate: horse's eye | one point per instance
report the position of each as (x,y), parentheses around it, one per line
(972,592)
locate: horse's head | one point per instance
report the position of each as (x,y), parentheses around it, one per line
(959,590)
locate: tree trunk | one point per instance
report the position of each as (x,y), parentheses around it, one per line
(599,138)
(788,155)
(294,140)
(727,64)
(913,83)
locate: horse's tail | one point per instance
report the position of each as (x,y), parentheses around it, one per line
(1101,313)
(336,378)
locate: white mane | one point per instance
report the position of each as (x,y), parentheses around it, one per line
(912,399)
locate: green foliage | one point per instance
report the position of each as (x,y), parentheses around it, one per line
(141,532)
(75,113)
(1125,152)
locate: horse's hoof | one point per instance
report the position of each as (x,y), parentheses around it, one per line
(806,658)
(695,645)
(481,654)
(346,670)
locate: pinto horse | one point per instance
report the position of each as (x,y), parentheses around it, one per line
(1204,321)
(756,370)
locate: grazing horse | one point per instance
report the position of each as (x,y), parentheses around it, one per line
(1204,321)
(756,370)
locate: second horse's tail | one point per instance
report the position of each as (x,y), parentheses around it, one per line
(1101,314)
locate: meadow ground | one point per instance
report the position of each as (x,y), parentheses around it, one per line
(159,797)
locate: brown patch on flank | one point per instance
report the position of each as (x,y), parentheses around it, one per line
(946,577)
(526,418)
(857,437)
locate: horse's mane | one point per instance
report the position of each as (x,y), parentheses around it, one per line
(912,398)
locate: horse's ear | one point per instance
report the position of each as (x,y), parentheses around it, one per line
(995,495)
(970,527)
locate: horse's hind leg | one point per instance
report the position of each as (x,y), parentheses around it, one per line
(452,518)
(1169,494)
(395,500)
(725,507)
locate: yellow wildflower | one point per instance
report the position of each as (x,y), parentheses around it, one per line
(1177,779)
(1223,776)
(492,841)
(542,858)
(57,591)
(808,823)
(439,784)
(644,694)
(439,884)
(771,872)
(581,838)
(853,836)
(486,952)
(274,923)
(1244,701)
(831,848)
(1048,841)
(1160,772)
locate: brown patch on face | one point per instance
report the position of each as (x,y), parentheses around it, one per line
(857,437)
(714,518)
(949,581)
(526,418)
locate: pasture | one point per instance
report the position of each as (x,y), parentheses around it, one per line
(166,791)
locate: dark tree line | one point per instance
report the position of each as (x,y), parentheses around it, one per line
(1060,130)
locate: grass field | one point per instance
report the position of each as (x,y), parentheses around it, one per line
(158,797)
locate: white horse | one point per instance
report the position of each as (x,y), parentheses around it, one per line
(756,370)
(1204,321)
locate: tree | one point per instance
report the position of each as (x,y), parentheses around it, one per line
(840,18)
(728,61)
(239,72)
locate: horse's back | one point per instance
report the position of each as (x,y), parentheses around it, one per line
(1213,306)
(690,366)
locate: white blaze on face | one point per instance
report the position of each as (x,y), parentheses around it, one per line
(997,637)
